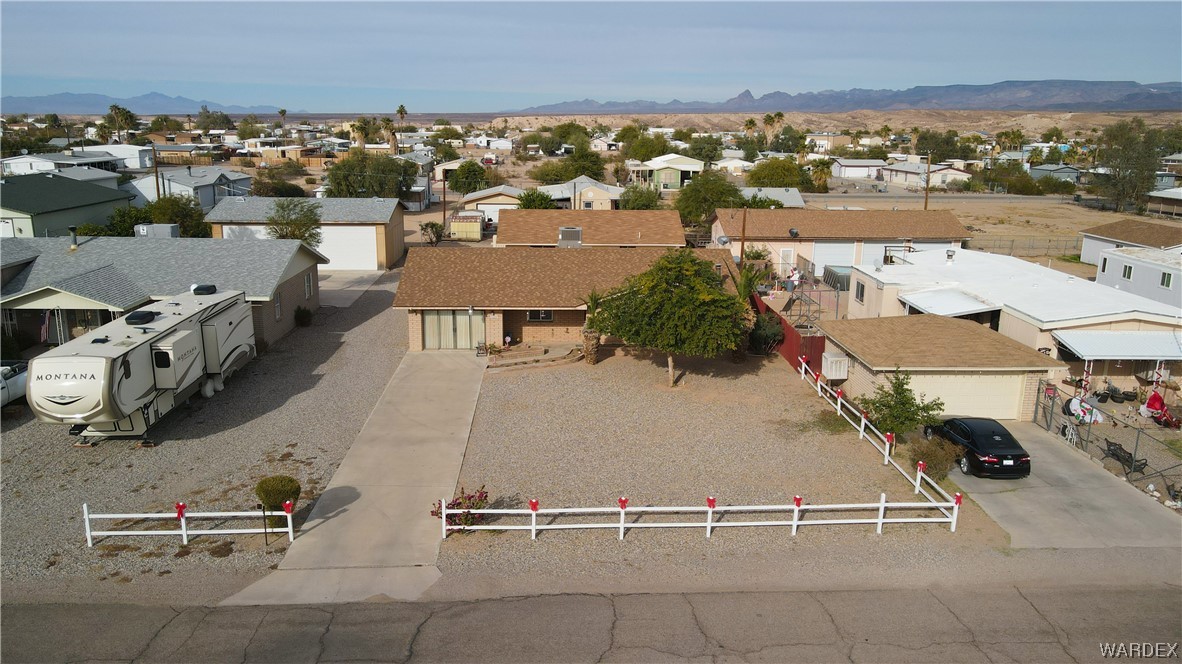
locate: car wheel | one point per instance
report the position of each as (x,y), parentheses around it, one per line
(964,465)
(929,432)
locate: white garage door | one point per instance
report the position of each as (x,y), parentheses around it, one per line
(492,210)
(346,247)
(831,253)
(976,395)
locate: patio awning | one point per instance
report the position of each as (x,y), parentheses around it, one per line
(1114,345)
(946,302)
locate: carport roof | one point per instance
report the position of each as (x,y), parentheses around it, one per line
(1122,345)
(929,342)
(946,302)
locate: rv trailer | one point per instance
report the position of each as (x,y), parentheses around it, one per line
(120,379)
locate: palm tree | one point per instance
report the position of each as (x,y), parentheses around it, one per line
(283,116)
(884,132)
(769,121)
(750,126)
(590,329)
(388,127)
(821,170)
(779,120)
(401,113)
(189,122)
(363,128)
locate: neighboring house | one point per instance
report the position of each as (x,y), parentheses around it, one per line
(207,184)
(583,193)
(1042,308)
(174,137)
(457,298)
(1129,233)
(92,175)
(604,145)
(1167,202)
(917,174)
(670,171)
(1060,171)
(493,143)
(129,157)
(1150,273)
(1163,180)
(972,369)
(356,233)
(869,169)
(825,141)
(1172,163)
(733,165)
(424,161)
(419,196)
(39,163)
(788,197)
(590,228)
(52,294)
(492,200)
(47,204)
(1009,156)
(816,238)
(443,171)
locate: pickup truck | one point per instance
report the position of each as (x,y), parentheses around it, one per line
(15,375)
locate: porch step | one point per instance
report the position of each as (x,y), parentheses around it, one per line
(548,360)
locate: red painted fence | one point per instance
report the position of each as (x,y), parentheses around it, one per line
(795,345)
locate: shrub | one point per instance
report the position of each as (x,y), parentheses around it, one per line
(273,491)
(303,316)
(939,454)
(247,163)
(464,501)
(767,333)
(756,253)
(309,180)
(896,408)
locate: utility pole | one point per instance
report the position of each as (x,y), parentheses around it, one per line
(743,240)
(927,182)
(156,170)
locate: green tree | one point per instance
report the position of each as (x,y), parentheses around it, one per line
(448,134)
(640,197)
(120,120)
(789,140)
(1130,151)
(628,134)
(894,407)
(774,173)
(757,202)
(685,135)
(365,175)
(678,306)
(570,133)
(274,187)
(708,191)
(443,151)
(250,127)
(706,148)
(364,128)
(532,199)
(182,210)
(820,171)
(165,123)
(123,221)
(207,119)
(584,161)
(942,146)
(295,219)
(1052,135)
(646,147)
(282,117)
(469,177)
(431,232)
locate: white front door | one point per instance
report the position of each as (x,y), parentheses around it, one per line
(787,262)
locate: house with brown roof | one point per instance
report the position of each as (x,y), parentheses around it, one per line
(972,369)
(590,228)
(457,298)
(1164,235)
(812,239)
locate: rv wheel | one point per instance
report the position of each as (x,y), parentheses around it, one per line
(218,384)
(207,388)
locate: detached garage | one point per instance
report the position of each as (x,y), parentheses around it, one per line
(491,201)
(972,369)
(356,233)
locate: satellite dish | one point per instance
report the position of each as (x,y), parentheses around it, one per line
(878,265)
(24,151)
(723,240)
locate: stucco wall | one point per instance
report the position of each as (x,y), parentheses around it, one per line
(291,294)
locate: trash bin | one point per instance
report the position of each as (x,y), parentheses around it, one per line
(1077,198)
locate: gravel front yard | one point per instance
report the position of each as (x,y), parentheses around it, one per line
(295,410)
(581,435)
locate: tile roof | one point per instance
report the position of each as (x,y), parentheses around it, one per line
(124,271)
(45,192)
(843,224)
(1143,233)
(928,341)
(524,278)
(505,189)
(256,209)
(600,227)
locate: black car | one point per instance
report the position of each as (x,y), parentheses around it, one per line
(990,450)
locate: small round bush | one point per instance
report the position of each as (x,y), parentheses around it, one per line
(303,316)
(939,454)
(309,180)
(273,491)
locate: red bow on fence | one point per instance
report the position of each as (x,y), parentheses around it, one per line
(180,511)
(288,506)
(710,502)
(623,503)
(533,505)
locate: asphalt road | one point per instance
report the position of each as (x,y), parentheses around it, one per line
(994,623)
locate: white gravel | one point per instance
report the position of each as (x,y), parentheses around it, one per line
(295,410)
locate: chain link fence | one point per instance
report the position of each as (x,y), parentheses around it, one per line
(1154,452)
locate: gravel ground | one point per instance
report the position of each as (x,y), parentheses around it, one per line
(579,435)
(295,410)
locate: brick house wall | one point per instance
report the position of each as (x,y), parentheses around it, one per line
(414,330)
(290,294)
(567,327)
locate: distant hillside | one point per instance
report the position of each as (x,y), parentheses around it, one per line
(153,103)
(1007,95)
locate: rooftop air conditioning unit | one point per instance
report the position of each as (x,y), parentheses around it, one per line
(835,365)
(570,237)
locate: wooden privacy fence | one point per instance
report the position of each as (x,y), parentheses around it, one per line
(795,345)
(1027,245)
(183,516)
(184,159)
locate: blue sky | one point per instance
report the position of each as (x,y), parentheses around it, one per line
(491,56)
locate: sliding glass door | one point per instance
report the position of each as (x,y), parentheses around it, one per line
(452,330)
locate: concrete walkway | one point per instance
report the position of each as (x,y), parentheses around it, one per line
(370,533)
(1068,501)
(341,288)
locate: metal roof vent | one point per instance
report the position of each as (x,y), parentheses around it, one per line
(793,232)
(570,237)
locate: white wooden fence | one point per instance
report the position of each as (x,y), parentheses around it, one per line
(183,516)
(935,497)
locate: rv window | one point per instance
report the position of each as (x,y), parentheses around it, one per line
(161,359)
(308,286)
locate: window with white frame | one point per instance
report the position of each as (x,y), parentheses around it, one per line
(1167,280)
(308,286)
(859,291)
(1126,272)
(278,306)
(539,316)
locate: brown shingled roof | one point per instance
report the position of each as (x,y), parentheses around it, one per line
(523,277)
(615,228)
(844,224)
(928,341)
(1143,233)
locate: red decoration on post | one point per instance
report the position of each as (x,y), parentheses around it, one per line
(957,498)
(533,505)
(288,506)
(804,359)
(796,499)
(922,466)
(840,394)
(820,377)
(180,511)
(890,438)
(623,503)
(710,502)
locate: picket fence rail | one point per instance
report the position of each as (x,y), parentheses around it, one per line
(183,515)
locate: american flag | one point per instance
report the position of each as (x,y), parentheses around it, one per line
(45,327)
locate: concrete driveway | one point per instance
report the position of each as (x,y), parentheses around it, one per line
(341,288)
(1070,502)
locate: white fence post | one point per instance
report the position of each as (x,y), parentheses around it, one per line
(840,394)
(86,520)
(819,386)
(888,440)
(956,500)
(881,511)
(710,503)
(803,365)
(180,515)
(533,519)
(795,513)
(288,508)
(623,506)
(862,426)
(443,517)
(919,469)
